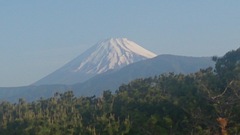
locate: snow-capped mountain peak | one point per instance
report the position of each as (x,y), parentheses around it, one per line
(110,54)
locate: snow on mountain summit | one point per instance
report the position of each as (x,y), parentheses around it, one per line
(128,45)
(110,54)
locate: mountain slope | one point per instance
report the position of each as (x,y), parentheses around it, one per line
(111,54)
(147,68)
(113,79)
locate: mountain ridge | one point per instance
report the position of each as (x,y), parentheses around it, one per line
(158,65)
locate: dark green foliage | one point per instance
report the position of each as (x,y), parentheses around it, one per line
(169,104)
(228,66)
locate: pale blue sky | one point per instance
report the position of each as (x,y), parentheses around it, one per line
(37,37)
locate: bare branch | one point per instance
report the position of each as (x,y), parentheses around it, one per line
(225,90)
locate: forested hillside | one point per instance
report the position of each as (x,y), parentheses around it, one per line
(203,103)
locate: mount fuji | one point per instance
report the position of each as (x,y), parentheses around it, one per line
(108,55)
(106,66)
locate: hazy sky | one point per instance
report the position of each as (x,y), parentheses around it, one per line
(37,37)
